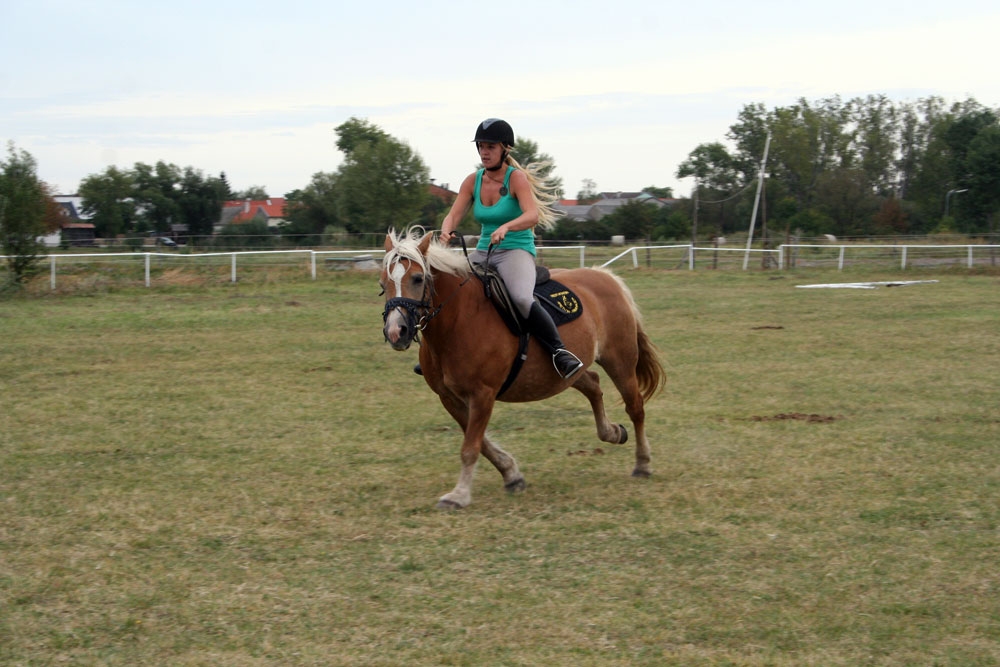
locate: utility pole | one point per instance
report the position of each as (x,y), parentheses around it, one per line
(756,201)
(694,221)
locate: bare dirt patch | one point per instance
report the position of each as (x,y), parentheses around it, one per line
(797,416)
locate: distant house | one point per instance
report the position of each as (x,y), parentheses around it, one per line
(236,212)
(79,233)
(75,229)
(606,203)
(443,193)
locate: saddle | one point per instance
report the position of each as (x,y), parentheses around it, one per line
(560,302)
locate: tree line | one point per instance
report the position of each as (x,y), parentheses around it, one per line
(867,166)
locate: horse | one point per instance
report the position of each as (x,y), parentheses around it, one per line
(467,350)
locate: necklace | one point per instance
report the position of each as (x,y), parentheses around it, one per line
(503,188)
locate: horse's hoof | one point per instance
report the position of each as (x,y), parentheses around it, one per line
(516,486)
(624,434)
(641,473)
(448,505)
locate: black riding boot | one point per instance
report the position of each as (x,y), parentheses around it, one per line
(542,327)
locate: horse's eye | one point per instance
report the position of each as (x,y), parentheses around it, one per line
(418,279)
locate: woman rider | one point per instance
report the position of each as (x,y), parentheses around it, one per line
(508,201)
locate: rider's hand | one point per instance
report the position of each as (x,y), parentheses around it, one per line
(444,237)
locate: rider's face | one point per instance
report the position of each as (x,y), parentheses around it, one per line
(490,153)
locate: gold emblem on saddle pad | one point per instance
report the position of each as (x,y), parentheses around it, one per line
(565,301)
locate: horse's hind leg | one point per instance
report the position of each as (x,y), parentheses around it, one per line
(589,384)
(628,386)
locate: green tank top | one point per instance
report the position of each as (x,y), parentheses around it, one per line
(505,210)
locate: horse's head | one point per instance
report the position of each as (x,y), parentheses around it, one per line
(406,283)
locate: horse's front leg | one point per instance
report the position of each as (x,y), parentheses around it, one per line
(506,465)
(478,416)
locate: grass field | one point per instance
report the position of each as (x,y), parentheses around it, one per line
(246,474)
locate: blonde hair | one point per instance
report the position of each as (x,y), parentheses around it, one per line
(542,189)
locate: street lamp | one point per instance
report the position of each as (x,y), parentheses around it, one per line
(947,198)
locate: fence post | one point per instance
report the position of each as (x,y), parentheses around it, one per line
(691,257)
(147,269)
(234,268)
(903,264)
(970,256)
(583,256)
(840,262)
(313,253)
(52,278)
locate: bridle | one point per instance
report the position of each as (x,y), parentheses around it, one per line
(418,314)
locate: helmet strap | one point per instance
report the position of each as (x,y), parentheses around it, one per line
(502,164)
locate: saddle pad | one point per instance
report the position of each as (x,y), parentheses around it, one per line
(559,301)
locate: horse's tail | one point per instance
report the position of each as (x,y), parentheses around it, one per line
(649,369)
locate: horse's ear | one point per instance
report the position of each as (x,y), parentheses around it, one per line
(425,243)
(388,242)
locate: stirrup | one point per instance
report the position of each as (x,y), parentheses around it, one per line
(566,363)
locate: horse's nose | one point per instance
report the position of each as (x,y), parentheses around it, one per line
(396,331)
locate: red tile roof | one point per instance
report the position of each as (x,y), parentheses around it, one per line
(272,208)
(442,193)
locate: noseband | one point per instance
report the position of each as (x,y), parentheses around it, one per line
(417,314)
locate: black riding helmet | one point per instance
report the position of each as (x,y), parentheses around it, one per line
(495,130)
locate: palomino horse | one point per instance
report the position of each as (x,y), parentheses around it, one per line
(467,350)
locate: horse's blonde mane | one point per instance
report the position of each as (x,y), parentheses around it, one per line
(406,245)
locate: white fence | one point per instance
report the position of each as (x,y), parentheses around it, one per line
(663,256)
(903,256)
(256,258)
(827,255)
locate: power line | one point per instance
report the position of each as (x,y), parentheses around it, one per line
(733,196)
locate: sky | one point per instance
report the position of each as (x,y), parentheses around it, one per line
(615,92)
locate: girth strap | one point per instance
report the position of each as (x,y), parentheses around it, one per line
(522,356)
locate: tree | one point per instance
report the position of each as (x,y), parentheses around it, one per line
(152,198)
(253,193)
(749,133)
(383,182)
(634,219)
(225,192)
(877,123)
(588,192)
(356,131)
(155,194)
(312,209)
(983,167)
(107,199)
(660,193)
(714,170)
(23,203)
(808,141)
(199,202)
